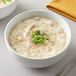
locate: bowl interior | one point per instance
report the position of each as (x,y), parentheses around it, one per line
(47,14)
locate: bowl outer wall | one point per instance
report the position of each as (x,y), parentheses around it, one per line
(38,63)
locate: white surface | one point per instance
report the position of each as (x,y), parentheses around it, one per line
(10,67)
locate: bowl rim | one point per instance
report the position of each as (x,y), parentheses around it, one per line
(8,4)
(12,50)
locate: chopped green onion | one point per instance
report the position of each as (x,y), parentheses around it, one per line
(9,0)
(42,37)
(4,1)
(42,33)
(36,32)
(38,37)
(46,37)
(33,35)
(35,38)
(38,41)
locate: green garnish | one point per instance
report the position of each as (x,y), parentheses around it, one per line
(5,1)
(33,35)
(45,37)
(42,33)
(35,38)
(8,0)
(38,41)
(38,37)
(36,32)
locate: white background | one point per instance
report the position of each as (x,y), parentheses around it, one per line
(10,67)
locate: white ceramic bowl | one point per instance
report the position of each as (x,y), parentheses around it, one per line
(7,10)
(44,62)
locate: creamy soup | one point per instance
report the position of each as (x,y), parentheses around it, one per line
(4,3)
(21,35)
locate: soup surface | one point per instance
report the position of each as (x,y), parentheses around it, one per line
(20,38)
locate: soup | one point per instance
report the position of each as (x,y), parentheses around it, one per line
(25,37)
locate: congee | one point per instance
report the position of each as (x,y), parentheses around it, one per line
(37,37)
